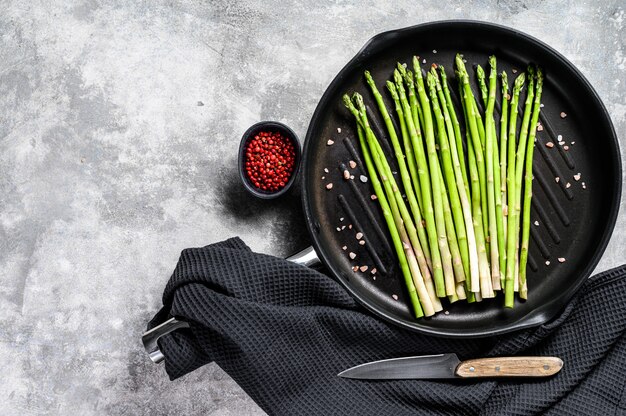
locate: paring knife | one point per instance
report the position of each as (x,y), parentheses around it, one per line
(448,366)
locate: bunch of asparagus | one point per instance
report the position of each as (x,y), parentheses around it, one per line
(458,220)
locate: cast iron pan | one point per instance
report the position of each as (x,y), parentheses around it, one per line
(574,223)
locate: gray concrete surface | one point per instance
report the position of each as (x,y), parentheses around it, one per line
(119,126)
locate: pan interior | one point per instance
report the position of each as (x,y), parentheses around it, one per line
(574,220)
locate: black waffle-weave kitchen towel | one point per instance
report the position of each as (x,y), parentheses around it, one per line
(283,332)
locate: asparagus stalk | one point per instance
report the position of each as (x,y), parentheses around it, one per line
(491,188)
(519,166)
(482,84)
(503,157)
(511,192)
(433,163)
(449,181)
(528,183)
(406,179)
(499,177)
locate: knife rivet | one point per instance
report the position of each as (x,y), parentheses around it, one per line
(498,368)
(546,367)
(472,369)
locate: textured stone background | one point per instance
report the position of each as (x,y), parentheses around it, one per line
(119,126)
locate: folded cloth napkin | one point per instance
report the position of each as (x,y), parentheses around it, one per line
(283,332)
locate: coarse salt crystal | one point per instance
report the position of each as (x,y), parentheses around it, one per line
(352,164)
(550,144)
(330,142)
(559,138)
(567,185)
(338,129)
(344,248)
(584,186)
(352,255)
(362,242)
(446,312)
(373,197)
(547,262)
(338,228)
(359,236)
(343,227)
(424,60)
(341,219)
(563,114)
(351,176)
(395,297)
(364,268)
(329,186)
(346,174)
(566,148)
(540,127)
(541,105)
(536,223)
(350,226)
(363,178)
(326,170)
(561,259)
(557,179)
(323,177)
(514,71)
(373,271)
(577,177)
(355,268)
(434,50)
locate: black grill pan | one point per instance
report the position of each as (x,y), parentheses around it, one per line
(574,223)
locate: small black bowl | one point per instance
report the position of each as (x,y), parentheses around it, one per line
(273,127)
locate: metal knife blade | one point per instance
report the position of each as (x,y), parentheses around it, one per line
(440,366)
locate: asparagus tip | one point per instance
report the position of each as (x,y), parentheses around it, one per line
(480,71)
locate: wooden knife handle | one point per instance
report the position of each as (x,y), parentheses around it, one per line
(510,367)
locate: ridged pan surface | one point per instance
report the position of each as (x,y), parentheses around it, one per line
(574,218)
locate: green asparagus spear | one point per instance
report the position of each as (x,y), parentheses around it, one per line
(528,183)
(512,232)
(503,157)
(519,166)
(491,189)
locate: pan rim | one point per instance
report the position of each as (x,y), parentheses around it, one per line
(539,315)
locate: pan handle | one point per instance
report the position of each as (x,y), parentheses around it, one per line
(307,257)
